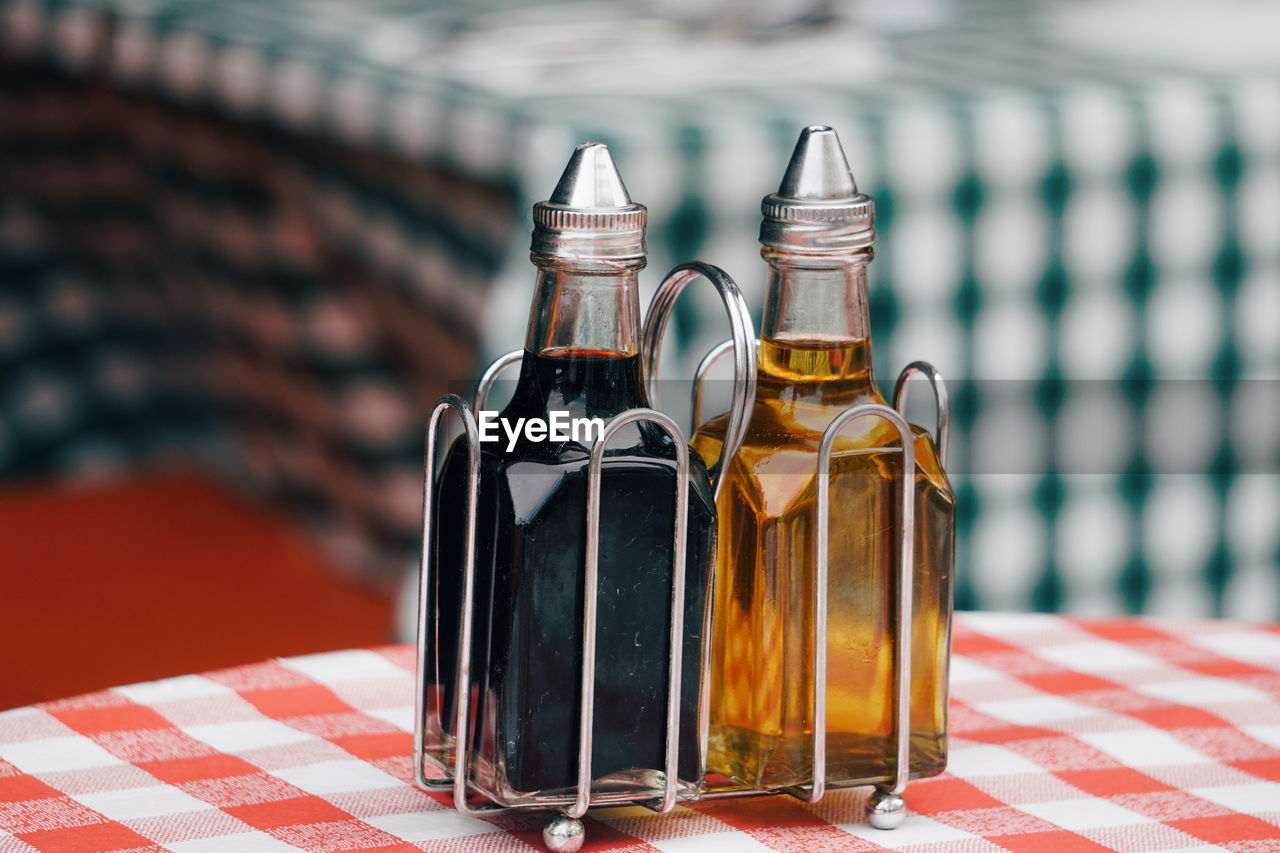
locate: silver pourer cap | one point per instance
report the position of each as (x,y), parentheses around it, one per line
(818,208)
(589,216)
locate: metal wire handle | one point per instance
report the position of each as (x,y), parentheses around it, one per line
(499,366)
(906,562)
(710,360)
(590,583)
(941,400)
(456,777)
(742,342)
(462,694)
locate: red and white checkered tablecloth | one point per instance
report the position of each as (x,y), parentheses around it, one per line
(1066,736)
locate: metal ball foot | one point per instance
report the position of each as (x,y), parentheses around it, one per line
(886,810)
(564,834)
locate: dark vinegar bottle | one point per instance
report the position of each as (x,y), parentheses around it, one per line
(581,359)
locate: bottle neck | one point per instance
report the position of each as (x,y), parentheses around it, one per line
(582,351)
(816,334)
(585,307)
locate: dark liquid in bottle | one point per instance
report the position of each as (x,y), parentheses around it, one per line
(529,576)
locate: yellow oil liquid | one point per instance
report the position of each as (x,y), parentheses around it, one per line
(762,666)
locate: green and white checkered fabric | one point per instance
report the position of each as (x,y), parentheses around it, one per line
(1080,220)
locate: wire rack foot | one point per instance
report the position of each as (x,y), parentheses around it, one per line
(564,834)
(885,809)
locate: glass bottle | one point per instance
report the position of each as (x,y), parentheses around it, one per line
(814,363)
(581,357)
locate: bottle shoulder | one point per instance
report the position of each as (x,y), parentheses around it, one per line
(638,467)
(782,444)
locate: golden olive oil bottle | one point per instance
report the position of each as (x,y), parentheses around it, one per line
(814,363)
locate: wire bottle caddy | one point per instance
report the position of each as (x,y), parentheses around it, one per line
(662,786)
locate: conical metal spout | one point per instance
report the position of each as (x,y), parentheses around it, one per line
(591,180)
(817,207)
(589,216)
(818,170)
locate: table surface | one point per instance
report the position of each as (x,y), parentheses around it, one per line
(1066,735)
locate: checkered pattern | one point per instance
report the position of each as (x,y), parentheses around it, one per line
(220,303)
(1078,214)
(1120,735)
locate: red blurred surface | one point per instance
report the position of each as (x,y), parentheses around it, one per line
(156,576)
